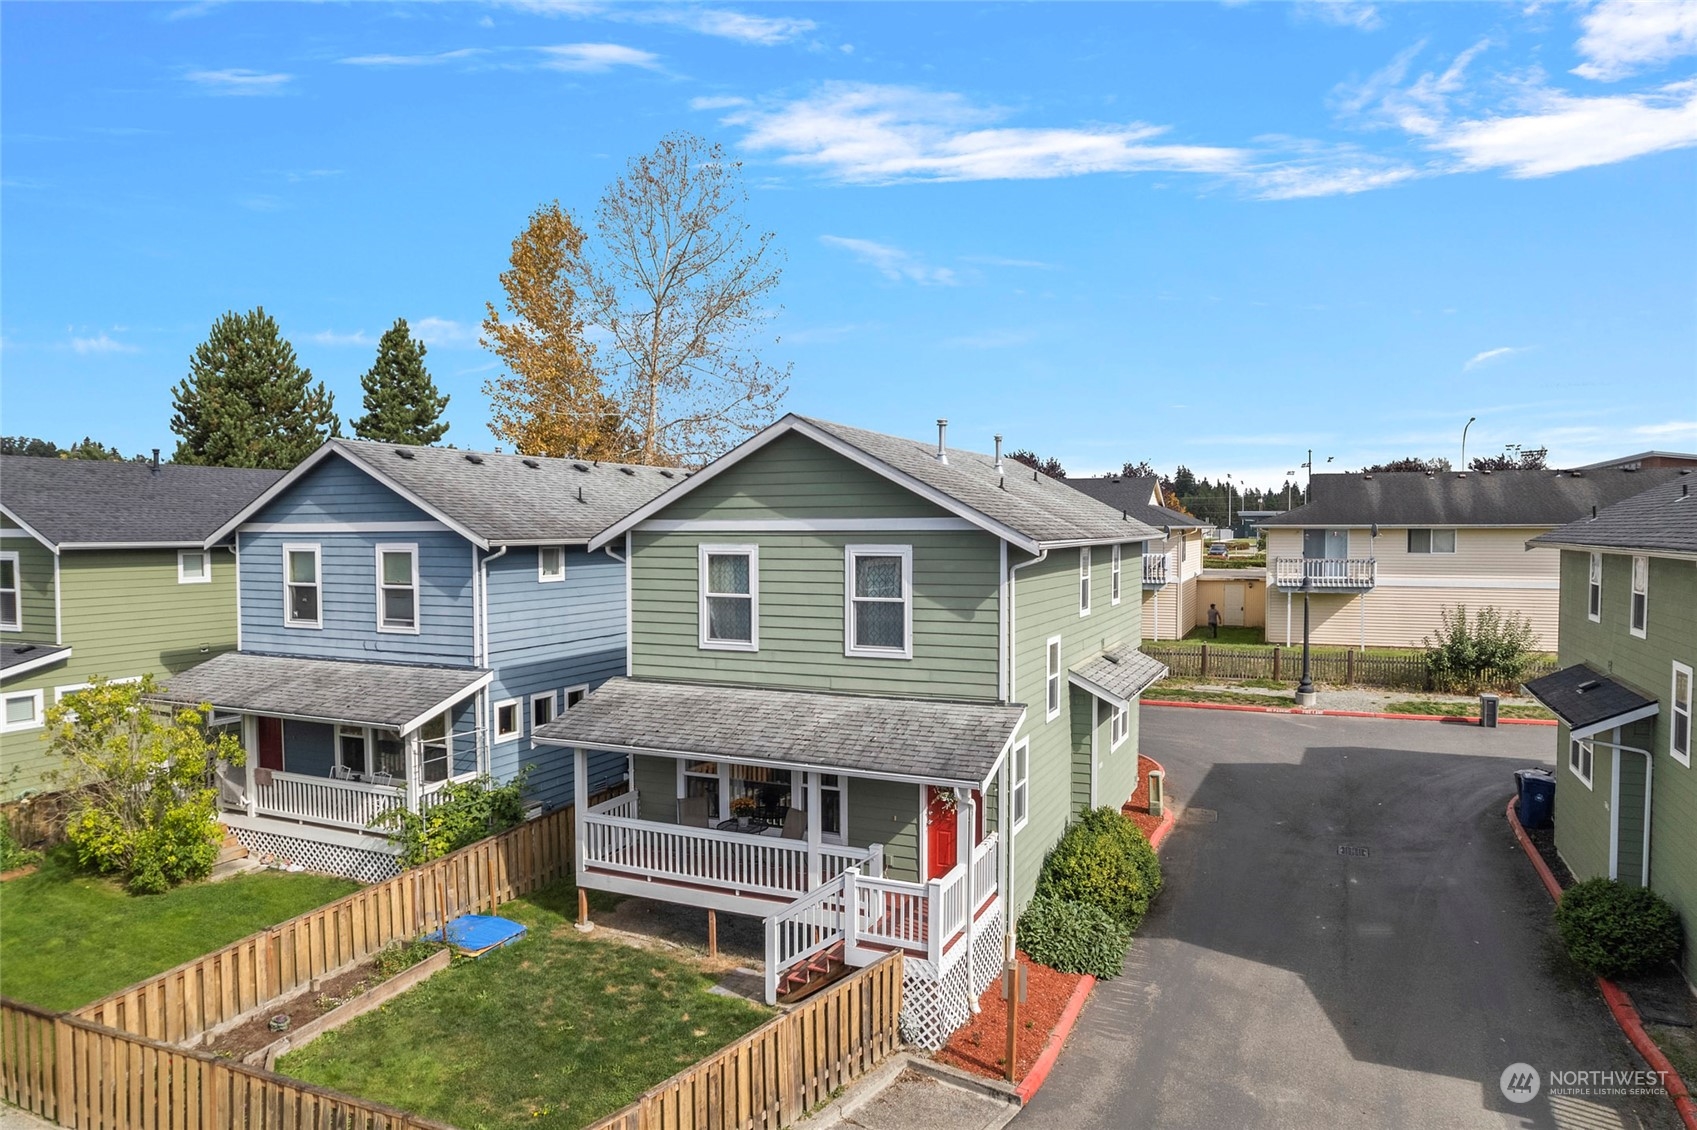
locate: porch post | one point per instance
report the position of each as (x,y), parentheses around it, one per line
(814,829)
(250,745)
(415,769)
(580,806)
(971,816)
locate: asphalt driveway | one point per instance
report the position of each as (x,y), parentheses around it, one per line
(1349,937)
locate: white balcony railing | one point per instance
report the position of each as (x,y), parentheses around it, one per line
(1155,570)
(1335,574)
(323,800)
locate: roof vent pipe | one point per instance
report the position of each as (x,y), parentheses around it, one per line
(942,438)
(998,455)
(155,463)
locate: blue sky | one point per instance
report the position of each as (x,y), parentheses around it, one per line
(1216,235)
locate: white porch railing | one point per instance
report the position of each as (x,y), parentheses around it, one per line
(622,806)
(323,800)
(1156,569)
(1324,574)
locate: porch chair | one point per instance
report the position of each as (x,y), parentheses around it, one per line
(382,777)
(341,773)
(692,812)
(795,824)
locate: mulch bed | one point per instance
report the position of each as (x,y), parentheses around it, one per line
(981,1046)
(253,1034)
(1544,839)
(1138,806)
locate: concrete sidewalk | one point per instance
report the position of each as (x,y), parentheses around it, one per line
(913,1093)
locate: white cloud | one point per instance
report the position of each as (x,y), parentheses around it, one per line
(1490,355)
(1624,36)
(1328,171)
(999,261)
(764,31)
(1663,431)
(237,80)
(331,337)
(1341,13)
(892,262)
(101,343)
(595,58)
(427,60)
(1558,133)
(438,332)
(717,102)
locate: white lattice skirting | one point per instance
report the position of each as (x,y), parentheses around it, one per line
(331,859)
(933,1009)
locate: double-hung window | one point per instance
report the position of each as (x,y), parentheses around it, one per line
(300,587)
(23,711)
(1594,590)
(1579,760)
(1119,726)
(350,750)
(397,588)
(436,749)
(194,567)
(1052,676)
(1431,541)
(1114,577)
(879,609)
(550,563)
(1679,717)
(11,593)
(1021,790)
(730,597)
(1084,580)
(1640,621)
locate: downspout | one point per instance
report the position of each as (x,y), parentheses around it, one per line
(1006,801)
(1649,770)
(482,645)
(58,602)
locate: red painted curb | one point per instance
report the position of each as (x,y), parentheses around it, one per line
(1625,1012)
(1453,719)
(1057,1039)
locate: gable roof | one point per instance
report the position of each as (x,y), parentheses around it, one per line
(1467,498)
(493,499)
(1662,519)
(1133,494)
(93,504)
(1022,506)
(1590,701)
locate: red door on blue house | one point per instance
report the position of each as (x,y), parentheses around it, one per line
(941,830)
(270,743)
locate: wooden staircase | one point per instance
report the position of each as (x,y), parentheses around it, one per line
(811,974)
(233,859)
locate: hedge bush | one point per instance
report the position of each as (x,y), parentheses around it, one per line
(1104,860)
(1614,930)
(1074,937)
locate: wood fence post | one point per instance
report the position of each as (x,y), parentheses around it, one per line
(1204,660)
(64,1056)
(1349,667)
(1278,660)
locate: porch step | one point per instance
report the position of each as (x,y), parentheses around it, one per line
(231,848)
(807,977)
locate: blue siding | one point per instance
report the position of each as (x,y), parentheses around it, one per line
(337,491)
(308,748)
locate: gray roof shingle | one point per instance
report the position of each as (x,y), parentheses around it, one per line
(1123,672)
(515,499)
(22,656)
(1586,699)
(947,742)
(1473,498)
(90,502)
(1661,518)
(332,690)
(1132,494)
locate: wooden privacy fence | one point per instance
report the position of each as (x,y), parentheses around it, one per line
(87,1077)
(183,1004)
(1402,672)
(784,1068)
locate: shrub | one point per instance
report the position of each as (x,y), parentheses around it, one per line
(1614,930)
(144,804)
(14,855)
(1074,937)
(465,812)
(1104,860)
(1496,646)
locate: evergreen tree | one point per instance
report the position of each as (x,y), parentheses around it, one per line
(247,402)
(401,401)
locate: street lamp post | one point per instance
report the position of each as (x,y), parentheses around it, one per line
(1464,428)
(1229,525)
(1305,695)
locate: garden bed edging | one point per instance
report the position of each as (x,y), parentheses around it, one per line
(375,997)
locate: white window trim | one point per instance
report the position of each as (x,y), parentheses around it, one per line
(1638,631)
(721,773)
(850,648)
(40,712)
(752,552)
(530,702)
(1676,708)
(18,592)
(411,550)
(1573,762)
(566,696)
(317,552)
(1594,581)
(205,577)
(839,837)
(1114,577)
(543,577)
(1019,786)
(1052,677)
(518,716)
(1119,727)
(1084,582)
(59,693)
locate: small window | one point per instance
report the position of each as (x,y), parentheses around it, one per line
(397,588)
(11,606)
(551,563)
(436,749)
(300,586)
(350,750)
(701,781)
(1053,674)
(194,567)
(1640,597)
(730,597)
(1114,577)
(1579,760)
(575,695)
(832,805)
(1119,727)
(22,711)
(1679,722)
(1021,784)
(1084,580)
(508,722)
(1431,541)
(879,612)
(541,713)
(1594,605)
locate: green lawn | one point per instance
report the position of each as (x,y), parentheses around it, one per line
(555,1031)
(67,938)
(1166,692)
(1464,709)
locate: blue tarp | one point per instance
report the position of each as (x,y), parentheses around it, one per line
(475,933)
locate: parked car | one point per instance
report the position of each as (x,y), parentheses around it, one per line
(1219,549)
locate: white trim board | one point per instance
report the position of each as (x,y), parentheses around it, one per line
(343,528)
(800,525)
(54,655)
(1461,582)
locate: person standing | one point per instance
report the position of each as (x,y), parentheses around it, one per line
(1214,621)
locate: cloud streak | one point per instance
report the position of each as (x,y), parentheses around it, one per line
(892,262)
(1491,355)
(239,81)
(100,343)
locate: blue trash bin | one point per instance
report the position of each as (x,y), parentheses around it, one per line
(1537,792)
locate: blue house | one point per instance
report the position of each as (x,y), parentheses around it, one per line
(408,616)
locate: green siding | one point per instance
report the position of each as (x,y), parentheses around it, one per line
(1582,824)
(1116,772)
(886,812)
(35,580)
(656,780)
(1081,708)
(124,614)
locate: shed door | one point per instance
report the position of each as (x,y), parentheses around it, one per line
(942,832)
(271,743)
(1231,612)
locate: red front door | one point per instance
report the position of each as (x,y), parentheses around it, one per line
(271,743)
(941,829)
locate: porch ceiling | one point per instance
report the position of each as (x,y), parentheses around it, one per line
(1118,675)
(394,695)
(1589,701)
(948,743)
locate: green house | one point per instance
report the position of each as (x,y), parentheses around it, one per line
(870,682)
(104,571)
(1626,792)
